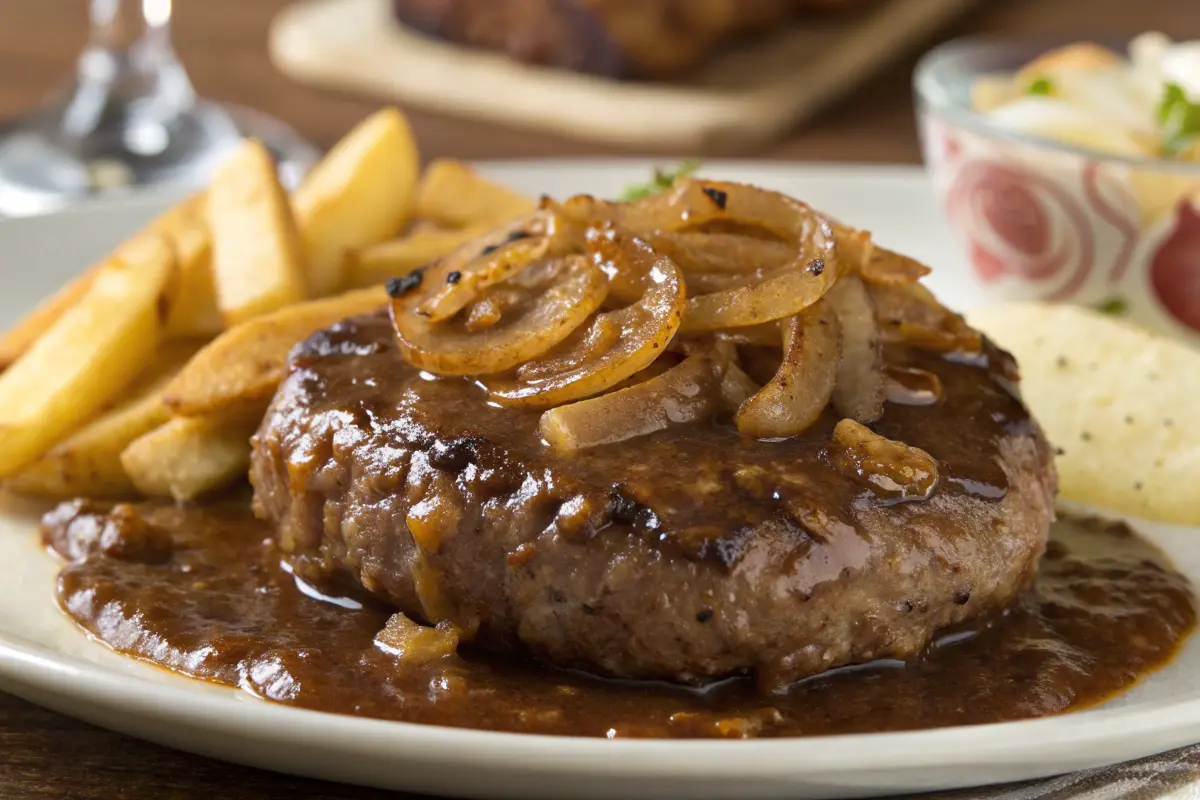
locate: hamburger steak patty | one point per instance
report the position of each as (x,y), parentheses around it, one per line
(687,555)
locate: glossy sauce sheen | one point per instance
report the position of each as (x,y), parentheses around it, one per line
(203,592)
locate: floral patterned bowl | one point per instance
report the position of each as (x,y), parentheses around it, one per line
(1042,220)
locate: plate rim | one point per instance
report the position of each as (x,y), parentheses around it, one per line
(1083,738)
(28,664)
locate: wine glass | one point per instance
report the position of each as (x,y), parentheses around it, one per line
(129,120)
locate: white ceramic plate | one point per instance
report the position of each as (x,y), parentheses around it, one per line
(43,658)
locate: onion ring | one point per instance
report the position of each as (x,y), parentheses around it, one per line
(581,368)
(558,296)
(722,253)
(794,399)
(765,335)
(692,203)
(454,281)
(627,278)
(859,390)
(780,294)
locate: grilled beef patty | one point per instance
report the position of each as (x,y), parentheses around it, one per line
(685,555)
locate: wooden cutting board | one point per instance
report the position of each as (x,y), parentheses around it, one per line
(744,97)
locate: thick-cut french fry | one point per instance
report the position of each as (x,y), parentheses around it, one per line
(21,336)
(246,363)
(257,258)
(361,193)
(452,193)
(193,307)
(87,356)
(191,456)
(88,462)
(375,264)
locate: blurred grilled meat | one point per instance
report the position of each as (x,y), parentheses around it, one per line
(614,38)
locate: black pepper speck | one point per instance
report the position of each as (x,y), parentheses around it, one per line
(398,287)
(718,197)
(454,277)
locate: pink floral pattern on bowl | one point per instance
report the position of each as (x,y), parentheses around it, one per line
(1053,224)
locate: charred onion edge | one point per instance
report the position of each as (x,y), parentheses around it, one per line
(795,398)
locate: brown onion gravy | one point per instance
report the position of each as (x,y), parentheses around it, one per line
(205,592)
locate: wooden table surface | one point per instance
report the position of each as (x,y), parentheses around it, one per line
(222,43)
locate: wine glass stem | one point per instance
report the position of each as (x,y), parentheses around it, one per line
(128,64)
(118,24)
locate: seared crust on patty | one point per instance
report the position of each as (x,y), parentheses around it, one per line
(685,555)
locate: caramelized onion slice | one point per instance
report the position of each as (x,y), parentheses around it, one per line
(855,248)
(595,359)
(780,294)
(886,268)
(453,282)
(628,277)
(910,386)
(721,253)
(551,300)
(688,392)
(766,335)
(859,390)
(708,282)
(736,387)
(910,314)
(794,399)
(891,469)
(694,203)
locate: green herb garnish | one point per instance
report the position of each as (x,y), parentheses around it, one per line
(1180,120)
(1114,307)
(663,179)
(1040,86)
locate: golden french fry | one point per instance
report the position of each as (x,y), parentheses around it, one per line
(193,307)
(191,456)
(88,462)
(361,193)
(452,193)
(87,356)
(21,336)
(246,363)
(197,317)
(375,264)
(257,260)
(424,226)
